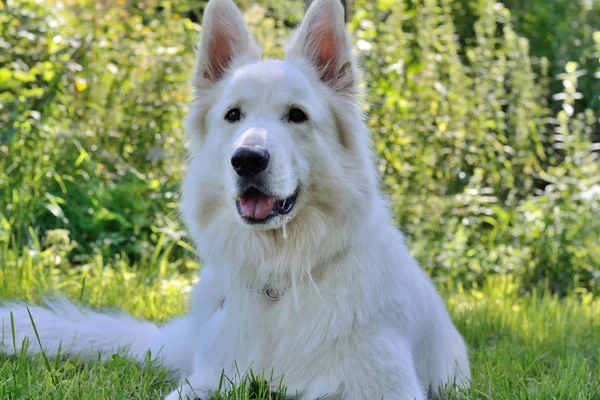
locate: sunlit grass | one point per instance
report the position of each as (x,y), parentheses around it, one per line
(522,346)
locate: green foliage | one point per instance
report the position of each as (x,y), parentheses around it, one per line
(489,170)
(92,99)
(559,32)
(563,31)
(483,177)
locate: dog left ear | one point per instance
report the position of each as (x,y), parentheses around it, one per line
(322,39)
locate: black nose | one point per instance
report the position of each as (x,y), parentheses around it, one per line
(249,161)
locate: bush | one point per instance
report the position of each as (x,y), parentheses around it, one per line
(93,96)
(483,178)
(490,168)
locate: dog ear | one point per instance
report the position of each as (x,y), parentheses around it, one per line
(323,41)
(225,40)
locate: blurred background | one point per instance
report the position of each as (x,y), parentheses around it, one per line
(485,117)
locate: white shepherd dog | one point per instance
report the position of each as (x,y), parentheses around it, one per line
(304,273)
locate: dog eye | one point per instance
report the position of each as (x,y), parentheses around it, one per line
(233,115)
(296,116)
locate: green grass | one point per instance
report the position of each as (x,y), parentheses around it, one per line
(522,346)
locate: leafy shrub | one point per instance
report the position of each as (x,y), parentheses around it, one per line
(562,31)
(92,97)
(483,178)
(488,157)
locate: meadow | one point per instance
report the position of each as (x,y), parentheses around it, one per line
(485,117)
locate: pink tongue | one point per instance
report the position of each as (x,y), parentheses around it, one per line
(257,206)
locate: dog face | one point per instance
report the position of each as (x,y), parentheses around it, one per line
(272,141)
(265,117)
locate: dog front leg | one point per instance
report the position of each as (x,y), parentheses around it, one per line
(201,384)
(210,357)
(208,295)
(389,373)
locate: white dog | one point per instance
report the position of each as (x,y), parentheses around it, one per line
(304,274)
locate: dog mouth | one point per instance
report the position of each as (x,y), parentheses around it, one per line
(256,207)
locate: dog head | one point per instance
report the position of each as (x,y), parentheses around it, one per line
(275,141)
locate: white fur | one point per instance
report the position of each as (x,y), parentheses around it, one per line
(357,318)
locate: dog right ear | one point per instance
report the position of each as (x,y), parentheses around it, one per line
(225,41)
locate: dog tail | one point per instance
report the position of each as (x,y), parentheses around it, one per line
(60,327)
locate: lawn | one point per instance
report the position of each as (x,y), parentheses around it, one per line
(485,118)
(533,346)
